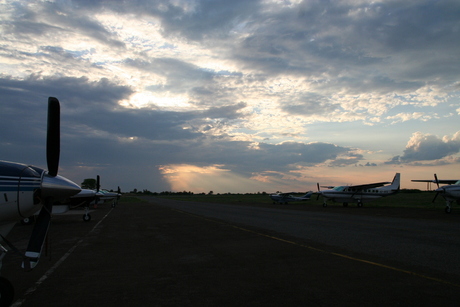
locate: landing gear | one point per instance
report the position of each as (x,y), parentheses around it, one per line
(324,205)
(345,204)
(360,204)
(6,292)
(448,206)
(28,220)
(87,216)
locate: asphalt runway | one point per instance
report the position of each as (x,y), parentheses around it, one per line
(171,253)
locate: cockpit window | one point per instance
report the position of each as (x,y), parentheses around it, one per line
(18,170)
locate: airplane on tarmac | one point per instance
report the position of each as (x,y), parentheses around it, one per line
(105,195)
(84,199)
(359,193)
(287,197)
(28,189)
(450,192)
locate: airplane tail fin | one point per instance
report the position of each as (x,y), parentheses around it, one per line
(396,183)
(308,195)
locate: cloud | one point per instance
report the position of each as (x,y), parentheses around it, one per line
(56,18)
(259,88)
(402,117)
(427,147)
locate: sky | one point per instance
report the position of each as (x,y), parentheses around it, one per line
(234,96)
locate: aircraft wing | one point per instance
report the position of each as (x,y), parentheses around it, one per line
(285,194)
(447,181)
(369,185)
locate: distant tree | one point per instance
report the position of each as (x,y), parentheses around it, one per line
(89,183)
(211,192)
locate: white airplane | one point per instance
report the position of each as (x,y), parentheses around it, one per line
(359,193)
(82,199)
(450,192)
(105,195)
(281,198)
(26,190)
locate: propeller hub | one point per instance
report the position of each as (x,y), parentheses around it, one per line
(58,187)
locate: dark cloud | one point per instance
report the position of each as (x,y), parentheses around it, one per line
(54,19)
(98,133)
(427,147)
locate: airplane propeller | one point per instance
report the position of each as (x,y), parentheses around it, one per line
(53,187)
(98,183)
(98,187)
(319,191)
(437,183)
(53,143)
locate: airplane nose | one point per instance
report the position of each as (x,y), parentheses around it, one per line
(440,190)
(58,187)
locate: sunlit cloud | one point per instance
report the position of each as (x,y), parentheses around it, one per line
(208,178)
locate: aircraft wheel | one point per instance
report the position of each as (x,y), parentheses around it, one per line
(448,210)
(360,204)
(6,292)
(28,220)
(86,217)
(345,204)
(324,205)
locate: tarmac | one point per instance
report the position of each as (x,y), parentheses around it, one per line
(147,254)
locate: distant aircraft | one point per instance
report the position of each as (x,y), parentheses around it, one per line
(359,193)
(287,197)
(27,189)
(450,192)
(82,199)
(105,195)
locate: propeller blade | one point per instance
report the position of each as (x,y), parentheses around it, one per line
(436,180)
(34,249)
(435,197)
(53,136)
(98,187)
(118,193)
(319,190)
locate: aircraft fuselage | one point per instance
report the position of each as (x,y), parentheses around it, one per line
(343,194)
(20,188)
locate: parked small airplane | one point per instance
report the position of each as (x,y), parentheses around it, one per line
(359,193)
(281,198)
(450,192)
(82,199)
(28,189)
(104,195)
